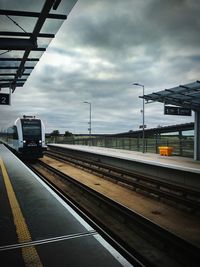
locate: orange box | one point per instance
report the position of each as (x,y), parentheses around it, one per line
(165,150)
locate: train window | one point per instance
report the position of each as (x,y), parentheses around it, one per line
(15,134)
(10,130)
(31,129)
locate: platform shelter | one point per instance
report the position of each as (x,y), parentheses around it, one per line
(26,30)
(182,100)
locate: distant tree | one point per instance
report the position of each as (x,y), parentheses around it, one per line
(68,134)
(55,133)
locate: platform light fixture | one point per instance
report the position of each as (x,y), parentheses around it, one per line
(90,118)
(143,125)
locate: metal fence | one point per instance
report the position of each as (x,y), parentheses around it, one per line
(181,146)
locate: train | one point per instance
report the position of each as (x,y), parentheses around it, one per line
(25,137)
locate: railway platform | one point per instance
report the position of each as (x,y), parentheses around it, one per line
(178,170)
(39,229)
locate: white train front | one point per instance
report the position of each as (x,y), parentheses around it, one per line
(26,137)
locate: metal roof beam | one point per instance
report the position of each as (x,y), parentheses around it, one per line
(24,41)
(5,85)
(30,14)
(10,80)
(183,86)
(17,59)
(13,68)
(41,20)
(33,49)
(56,4)
(17,44)
(169,90)
(13,74)
(28,34)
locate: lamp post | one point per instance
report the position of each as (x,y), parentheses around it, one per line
(90,118)
(143,125)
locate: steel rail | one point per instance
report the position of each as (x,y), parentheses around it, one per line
(136,259)
(156,188)
(181,249)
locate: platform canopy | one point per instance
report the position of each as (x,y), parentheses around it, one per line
(26,29)
(187,96)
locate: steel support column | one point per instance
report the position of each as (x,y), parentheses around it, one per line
(197,136)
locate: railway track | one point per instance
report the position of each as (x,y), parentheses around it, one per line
(172,194)
(75,196)
(135,236)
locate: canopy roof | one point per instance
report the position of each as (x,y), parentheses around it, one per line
(26,29)
(187,96)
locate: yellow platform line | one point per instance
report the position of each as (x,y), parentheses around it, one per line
(30,255)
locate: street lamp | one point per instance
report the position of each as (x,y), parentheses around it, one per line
(90,118)
(143,125)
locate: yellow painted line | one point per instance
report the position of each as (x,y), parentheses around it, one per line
(30,255)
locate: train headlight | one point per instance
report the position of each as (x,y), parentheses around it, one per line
(24,141)
(40,141)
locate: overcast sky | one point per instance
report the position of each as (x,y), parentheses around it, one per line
(99,52)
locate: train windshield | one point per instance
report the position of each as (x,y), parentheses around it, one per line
(31,129)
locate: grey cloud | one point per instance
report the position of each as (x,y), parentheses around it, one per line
(152,23)
(103,47)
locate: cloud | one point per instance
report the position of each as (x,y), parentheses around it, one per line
(99,52)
